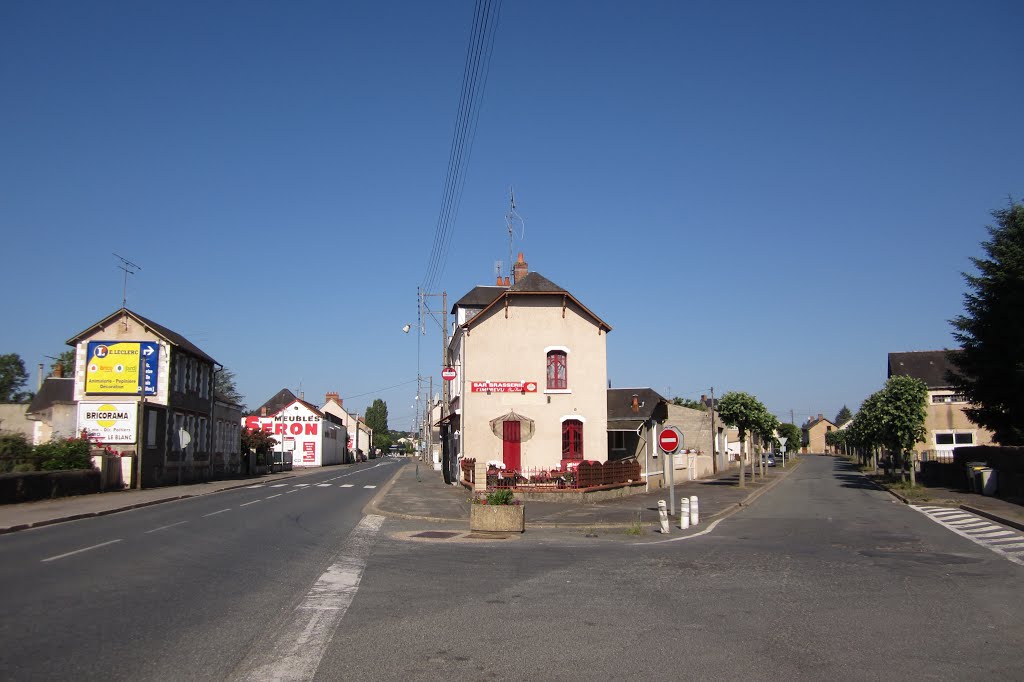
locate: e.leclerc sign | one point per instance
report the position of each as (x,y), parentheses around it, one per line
(122,367)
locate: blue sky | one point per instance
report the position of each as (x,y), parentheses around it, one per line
(756,198)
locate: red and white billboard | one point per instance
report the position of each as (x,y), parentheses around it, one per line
(503,386)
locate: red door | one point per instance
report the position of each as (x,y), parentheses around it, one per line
(510,445)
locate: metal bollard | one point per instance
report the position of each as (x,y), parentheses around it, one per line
(694,516)
(663,513)
(684,514)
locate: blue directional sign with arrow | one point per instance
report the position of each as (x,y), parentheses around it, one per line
(150,351)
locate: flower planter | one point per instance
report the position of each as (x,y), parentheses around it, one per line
(497,518)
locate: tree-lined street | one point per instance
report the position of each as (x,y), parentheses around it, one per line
(824,576)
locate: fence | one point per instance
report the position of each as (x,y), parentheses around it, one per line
(586,475)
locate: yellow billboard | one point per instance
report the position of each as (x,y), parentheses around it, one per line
(113,367)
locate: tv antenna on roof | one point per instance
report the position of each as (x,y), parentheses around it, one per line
(512,218)
(129,269)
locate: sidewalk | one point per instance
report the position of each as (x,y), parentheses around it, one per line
(428,498)
(999,510)
(14,517)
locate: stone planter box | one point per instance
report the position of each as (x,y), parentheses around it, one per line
(497,518)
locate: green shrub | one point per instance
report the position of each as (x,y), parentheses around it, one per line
(15,451)
(66,453)
(502,496)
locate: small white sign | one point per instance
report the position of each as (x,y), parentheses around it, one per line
(108,422)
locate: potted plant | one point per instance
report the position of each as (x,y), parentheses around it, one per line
(497,512)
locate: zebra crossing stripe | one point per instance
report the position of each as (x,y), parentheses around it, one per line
(987,536)
(346,485)
(323,485)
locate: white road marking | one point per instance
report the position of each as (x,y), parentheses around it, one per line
(248,503)
(324,485)
(258,485)
(296,650)
(301,485)
(684,537)
(216,512)
(79,551)
(291,491)
(279,485)
(990,535)
(170,525)
(369,487)
(273,496)
(346,485)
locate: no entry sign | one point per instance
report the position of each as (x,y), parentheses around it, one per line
(448,373)
(670,439)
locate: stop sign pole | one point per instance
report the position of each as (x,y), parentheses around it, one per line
(669,440)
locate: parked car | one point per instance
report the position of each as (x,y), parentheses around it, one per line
(770,461)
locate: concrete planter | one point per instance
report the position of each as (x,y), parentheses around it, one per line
(497,518)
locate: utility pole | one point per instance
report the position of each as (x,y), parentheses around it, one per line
(714,436)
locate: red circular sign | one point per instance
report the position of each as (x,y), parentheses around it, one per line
(668,440)
(448,373)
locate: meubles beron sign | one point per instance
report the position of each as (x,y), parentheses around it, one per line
(503,386)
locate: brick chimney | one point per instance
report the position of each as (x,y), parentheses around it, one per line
(507,283)
(332,395)
(497,280)
(520,269)
(58,370)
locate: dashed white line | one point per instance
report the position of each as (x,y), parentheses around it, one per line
(216,512)
(251,487)
(248,503)
(170,525)
(291,491)
(273,496)
(324,485)
(301,485)
(369,487)
(279,485)
(84,549)
(346,485)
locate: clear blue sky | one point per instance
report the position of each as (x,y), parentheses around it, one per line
(755,197)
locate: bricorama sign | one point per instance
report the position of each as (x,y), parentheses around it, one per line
(108,422)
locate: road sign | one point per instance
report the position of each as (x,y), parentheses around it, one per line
(448,373)
(782,441)
(670,439)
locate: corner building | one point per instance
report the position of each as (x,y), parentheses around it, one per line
(531,388)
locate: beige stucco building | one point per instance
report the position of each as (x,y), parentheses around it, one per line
(813,436)
(946,422)
(531,385)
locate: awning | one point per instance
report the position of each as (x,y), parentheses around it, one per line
(526,425)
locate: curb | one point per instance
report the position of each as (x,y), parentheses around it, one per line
(372,507)
(129,507)
(993,517)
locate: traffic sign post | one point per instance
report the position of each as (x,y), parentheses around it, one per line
(669,440)
(782,446)
(448,373)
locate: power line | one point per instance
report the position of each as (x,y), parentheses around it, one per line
(474,81)
(380,390)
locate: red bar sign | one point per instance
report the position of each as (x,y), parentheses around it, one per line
(503,386)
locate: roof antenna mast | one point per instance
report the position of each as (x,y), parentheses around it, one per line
(129,269)
(511,218)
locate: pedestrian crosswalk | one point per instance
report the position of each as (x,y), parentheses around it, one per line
(1004,541)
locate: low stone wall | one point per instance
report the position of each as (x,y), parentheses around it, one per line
(589,495)
(44,485)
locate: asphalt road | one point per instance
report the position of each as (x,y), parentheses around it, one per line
(824,577)
(182,590)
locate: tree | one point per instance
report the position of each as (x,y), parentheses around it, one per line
(377,416)
(746,413)
(689,402)
(990,364)
(844,415)
(792,434)
(12,379)
(259,442)
(865,433)
(766,427)
(904,406)
(224,387)
(67,362)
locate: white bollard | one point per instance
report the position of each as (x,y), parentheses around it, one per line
(694,516)
(684,514)
(663,513)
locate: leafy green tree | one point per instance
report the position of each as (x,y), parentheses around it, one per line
(904,406)
(866,431)
(746,413)
(377,416)
(13,378)
(844,415)
(67,362)
(766,427)
(224,387)
(792,434)
(990,366)
(689,402)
